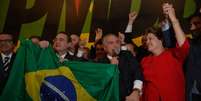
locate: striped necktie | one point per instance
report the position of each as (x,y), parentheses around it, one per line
(6,64)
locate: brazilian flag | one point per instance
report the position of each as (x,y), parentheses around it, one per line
(38,75)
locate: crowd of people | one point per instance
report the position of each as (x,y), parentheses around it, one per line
(166,67)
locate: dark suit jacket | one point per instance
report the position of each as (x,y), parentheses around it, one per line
(74,58)
(129,71)
(4,75)
(193,68)
(169,38)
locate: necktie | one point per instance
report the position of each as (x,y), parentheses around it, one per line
(6,64)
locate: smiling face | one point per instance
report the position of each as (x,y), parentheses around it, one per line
(111,44)
(6,43)
(153,43)
(60,42)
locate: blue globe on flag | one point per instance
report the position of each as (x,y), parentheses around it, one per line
(57,88)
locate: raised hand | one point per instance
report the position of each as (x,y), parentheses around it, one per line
(169,11)
(43,44)
(134,96)
(99,34)
(121,37)
(114,60)
(179,33)
(132,16)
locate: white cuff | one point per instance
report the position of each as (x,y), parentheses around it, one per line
(124,47)
(138,85)
(165,27)
(79,53)
(71,53)
(129,28)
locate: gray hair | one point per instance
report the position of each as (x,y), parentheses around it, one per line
(104,41)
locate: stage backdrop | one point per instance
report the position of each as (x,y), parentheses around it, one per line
(46,18)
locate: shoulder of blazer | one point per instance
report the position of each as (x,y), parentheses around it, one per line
(1,62)
(13,58)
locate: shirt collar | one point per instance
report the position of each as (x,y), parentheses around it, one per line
(62,56)
(71,53)
(4,56)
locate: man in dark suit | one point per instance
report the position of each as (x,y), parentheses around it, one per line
(130,78)
(6,58)
(193,66)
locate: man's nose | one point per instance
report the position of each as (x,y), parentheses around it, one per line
(147,42)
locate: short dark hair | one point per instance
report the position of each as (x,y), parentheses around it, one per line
(156,31)
(14,39)
(194,15)
(36,37)
(7,34)
(67,35)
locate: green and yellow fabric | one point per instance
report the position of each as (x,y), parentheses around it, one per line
(38,75)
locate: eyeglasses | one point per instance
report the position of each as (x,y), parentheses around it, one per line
(8,41)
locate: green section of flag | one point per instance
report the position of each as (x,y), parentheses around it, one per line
(101,81)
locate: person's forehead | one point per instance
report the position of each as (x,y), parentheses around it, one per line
(198,19)
(150,35)
(74,36)
(5,36)
(61,35)
(112,37)
(34,39)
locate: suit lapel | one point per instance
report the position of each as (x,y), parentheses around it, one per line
(12,59)
(1,62)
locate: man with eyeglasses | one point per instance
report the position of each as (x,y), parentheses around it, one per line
(6,58)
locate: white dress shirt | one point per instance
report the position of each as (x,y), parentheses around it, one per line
(4,56)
